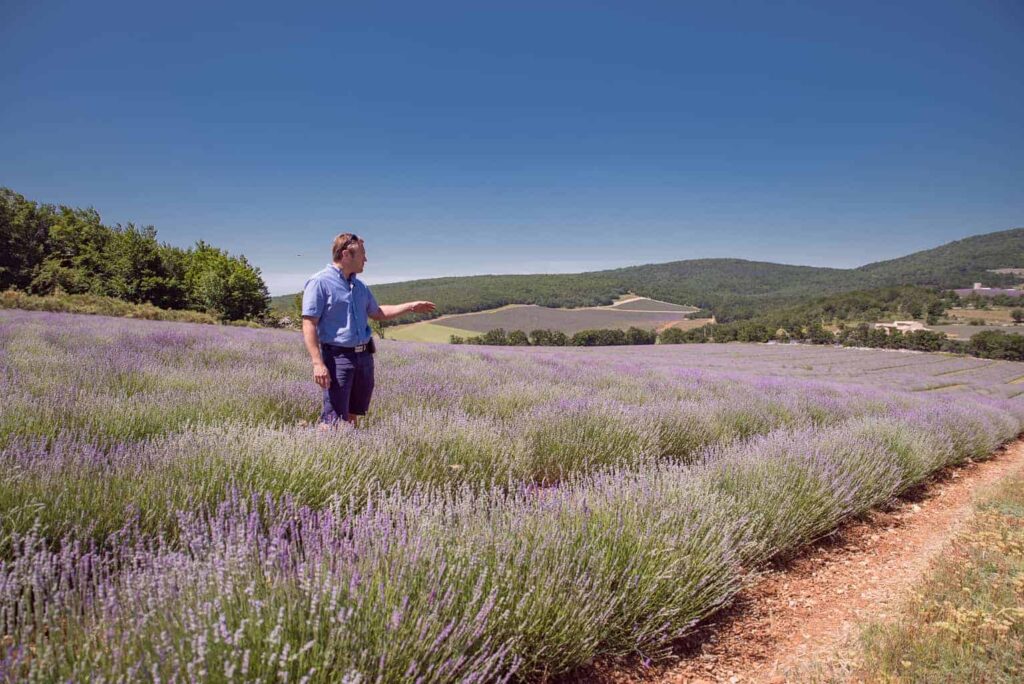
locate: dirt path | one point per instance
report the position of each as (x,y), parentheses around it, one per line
(813,608)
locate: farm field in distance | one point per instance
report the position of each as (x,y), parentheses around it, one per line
(168,508)
(425,331)
(964,331)
(996,315)
(646,304)
(637,312)
(997,318)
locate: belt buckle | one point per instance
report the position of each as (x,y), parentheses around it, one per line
(360,348)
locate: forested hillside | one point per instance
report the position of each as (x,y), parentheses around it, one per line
(732,288)
(954,264)
(46,249)
(707,283)
(808,320)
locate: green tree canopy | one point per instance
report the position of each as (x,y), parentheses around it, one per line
(45,249)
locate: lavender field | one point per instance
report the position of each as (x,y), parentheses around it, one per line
(169,513)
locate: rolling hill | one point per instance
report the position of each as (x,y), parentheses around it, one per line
(732,288)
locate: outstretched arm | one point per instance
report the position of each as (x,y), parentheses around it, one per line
(387,311)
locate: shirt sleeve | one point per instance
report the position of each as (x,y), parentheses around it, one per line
(313,299)
(372,307)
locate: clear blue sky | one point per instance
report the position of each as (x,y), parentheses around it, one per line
(522,137)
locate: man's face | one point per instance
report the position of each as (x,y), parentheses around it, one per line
(355,255)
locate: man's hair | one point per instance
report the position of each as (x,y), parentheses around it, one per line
(342,242)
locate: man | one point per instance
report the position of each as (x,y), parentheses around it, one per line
(336,308)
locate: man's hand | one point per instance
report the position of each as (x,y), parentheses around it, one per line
(321,376)
(388,311)
(423,307)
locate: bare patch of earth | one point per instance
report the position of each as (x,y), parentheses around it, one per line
(529,317)
(650,305)
(811,608)
(688,324)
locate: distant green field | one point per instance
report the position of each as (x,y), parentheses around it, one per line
(425,332)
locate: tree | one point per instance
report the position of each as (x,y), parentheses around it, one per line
(76,254)
(46,249)
(924,340)
(638,336)
(1017,315)
(23,230)
(223,285)
(517,338)
(752,332)
(141,270)
(549,338)
(935,310)
(596,338)
(540,338)
(496,337)
(817,334)
(248,295)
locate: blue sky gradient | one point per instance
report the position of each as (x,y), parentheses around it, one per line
(464,138)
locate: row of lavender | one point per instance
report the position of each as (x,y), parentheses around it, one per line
(430,545)
(122,412)
(113,381)
(455,586)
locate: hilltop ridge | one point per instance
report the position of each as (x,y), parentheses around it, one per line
(732,288)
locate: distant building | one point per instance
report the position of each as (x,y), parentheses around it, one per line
(902,326)
(982,291)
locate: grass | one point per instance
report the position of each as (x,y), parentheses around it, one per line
(965,623)
(426,332)
(996,314)
(98,305)
(688,324)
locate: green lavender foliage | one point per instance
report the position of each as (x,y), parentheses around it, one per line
(169,510)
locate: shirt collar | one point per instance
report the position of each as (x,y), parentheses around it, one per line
(341,274)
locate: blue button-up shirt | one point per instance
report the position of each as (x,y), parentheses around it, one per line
(343,306)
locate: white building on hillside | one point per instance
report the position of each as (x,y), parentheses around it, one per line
(902,326)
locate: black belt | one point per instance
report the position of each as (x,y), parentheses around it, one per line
(356,350)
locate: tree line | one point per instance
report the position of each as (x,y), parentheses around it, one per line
(809,323)
(47,249)
(557,338)
(989,344)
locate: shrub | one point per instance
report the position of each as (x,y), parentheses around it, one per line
(637,336)
(548,338)
(679,336)
(598,338)
(98,305)
(517,338)
(498,336)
